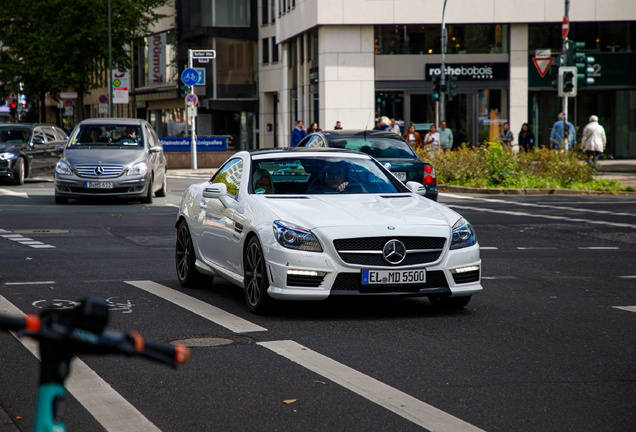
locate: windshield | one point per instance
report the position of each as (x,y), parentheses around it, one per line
(316,176)
(17,135)
(111,135)
(376,147)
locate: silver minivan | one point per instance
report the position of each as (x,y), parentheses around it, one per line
(112,157)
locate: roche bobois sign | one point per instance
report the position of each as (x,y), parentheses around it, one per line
(470,71)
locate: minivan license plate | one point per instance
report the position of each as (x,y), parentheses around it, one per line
(376,277)
(98,185)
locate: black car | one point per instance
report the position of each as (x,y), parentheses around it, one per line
(390,149)
(27,150)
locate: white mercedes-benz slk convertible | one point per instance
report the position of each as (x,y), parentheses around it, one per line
(306,223)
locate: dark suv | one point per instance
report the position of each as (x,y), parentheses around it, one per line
(27,150)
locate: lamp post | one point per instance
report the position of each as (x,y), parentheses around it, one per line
(442,105)
(110,63)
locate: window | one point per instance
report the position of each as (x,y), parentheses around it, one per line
(598,36)
(273,11)
(274,51)
(225,13)
(236,65)
(265,51)
(264,12)
(48,132)
(230,175)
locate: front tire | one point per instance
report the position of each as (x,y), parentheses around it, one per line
(18,172)
(164,187)
(449,303)
(148,198)
(185,258)
(255,281)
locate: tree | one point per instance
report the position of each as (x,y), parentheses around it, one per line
(54,45)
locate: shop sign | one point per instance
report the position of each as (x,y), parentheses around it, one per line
(121,86)
(204,144)
(470,71)
(157,60)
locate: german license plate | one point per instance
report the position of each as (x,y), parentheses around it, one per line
(389,277)
(98,185)
(401,176)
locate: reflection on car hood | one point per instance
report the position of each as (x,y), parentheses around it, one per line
(318,211)
(103,156)
(10,147)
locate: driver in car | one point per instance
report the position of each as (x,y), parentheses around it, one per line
(334,181)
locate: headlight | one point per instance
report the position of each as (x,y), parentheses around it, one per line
(8,156)
(463,235)
(295,237)
(63,168)
(138,169)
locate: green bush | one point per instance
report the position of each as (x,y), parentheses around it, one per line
(493,166)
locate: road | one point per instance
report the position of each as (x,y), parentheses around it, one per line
(548,345)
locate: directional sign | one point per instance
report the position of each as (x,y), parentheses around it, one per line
(191,100)
(103,99)
(565,27)
(190,77)
(542,64)
(203,54)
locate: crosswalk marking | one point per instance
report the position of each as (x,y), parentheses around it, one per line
(376,391)
(107,406)
(207,311)
(19,238)
(626,308)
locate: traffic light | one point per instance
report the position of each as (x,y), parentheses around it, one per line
(450,88)
(567,81)
(12,109)
(437,88)
(185,90)
(582,63)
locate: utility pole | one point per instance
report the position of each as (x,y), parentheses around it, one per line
(442,105)
(110,63)
(565,139)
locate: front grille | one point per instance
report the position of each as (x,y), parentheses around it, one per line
(434,247)
(304,281)
(353,282)
(109,171)
(471,276)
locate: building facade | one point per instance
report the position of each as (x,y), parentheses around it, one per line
(355,60)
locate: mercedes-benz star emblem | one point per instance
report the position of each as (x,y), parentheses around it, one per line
(390,227)
(394,252)
(99,170)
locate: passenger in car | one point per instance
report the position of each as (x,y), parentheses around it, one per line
(262,182)
(95,133)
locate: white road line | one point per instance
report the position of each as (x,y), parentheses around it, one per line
(626,308)
(498,277)
(538,248)
(599,247)
(30,283)
(42,246)
(107,406)
(384,395)
(487,248)
(10,236)
(33,242)
(627,277)
(597,222)
(207,311)
(18,239)
(13,193)
(574,209)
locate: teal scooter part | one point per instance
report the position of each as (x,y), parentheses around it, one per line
(44,416)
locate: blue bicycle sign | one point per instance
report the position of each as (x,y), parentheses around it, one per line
(190,77)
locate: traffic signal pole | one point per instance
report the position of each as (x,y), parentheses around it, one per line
(193,138)
(565,138)
(442,105)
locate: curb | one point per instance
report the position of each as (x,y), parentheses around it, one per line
(528,191)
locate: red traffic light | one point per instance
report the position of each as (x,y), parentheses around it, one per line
(13,105)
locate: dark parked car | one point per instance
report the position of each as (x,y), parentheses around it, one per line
(112,157)
(27,150)
(388,148)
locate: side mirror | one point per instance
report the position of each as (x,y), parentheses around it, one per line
(155,149)
(217,191)
(60,148)
(416,188)
(37,141)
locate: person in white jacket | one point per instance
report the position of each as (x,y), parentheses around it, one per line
(593,140)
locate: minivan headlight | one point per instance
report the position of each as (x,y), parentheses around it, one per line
(295,237)
(463,235)
(63,168)
(138,169)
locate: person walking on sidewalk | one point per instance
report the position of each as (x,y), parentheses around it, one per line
(557,134)
(526,138)
(594,140)
(298,133)
(445,137)
(506,136)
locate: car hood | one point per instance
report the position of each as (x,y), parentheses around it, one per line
(111,156)
(11,147)
(320,211)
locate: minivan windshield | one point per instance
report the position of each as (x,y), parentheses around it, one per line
(108,135)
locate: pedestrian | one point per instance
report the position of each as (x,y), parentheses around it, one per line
(445,137)
(556,136)
(298,133)
(395,128)
(412,137)
(593,140)
(431,140)
(384,124)
(505,136)
(313,128)
(338,125)
(526,138)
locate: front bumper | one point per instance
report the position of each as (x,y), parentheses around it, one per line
(291,278)
(123,187)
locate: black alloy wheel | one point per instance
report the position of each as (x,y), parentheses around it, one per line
(18,172)
(256,282)
(449,303)
(185,257)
